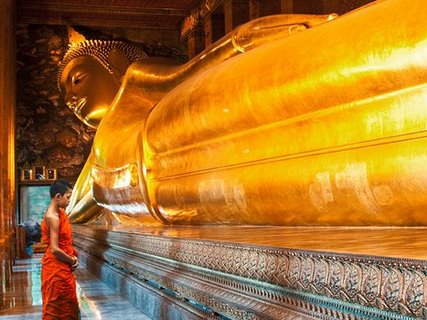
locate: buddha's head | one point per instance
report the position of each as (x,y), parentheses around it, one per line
(90,76)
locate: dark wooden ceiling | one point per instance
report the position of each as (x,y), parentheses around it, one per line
(144,14)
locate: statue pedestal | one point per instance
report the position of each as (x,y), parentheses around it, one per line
(254,272)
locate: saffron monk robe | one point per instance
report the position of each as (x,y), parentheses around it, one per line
(60,260)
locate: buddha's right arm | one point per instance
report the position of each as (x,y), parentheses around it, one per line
(157,76)
(85,210)
(83,207)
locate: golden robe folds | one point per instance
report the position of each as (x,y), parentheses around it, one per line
(324,127)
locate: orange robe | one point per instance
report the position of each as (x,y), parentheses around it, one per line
(58,281)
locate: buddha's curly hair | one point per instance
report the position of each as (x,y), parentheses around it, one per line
(99,50)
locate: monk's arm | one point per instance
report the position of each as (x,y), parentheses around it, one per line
(53,223)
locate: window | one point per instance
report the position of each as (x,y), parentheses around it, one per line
(33,202)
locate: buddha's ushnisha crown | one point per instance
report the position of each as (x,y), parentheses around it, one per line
(97,49)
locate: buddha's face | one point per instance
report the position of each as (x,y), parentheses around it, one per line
(89,89)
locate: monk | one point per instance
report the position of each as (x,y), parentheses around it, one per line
(60,260)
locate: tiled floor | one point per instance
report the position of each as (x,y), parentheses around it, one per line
(96,299)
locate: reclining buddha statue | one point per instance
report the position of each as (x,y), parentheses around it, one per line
(289,120)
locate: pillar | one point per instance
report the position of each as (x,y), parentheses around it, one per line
(331,6)
(236,12)
(7,140)
(196,41)
(287,6)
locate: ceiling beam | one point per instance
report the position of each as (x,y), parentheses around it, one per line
(101,15)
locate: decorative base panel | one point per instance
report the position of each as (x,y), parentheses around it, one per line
(194,278)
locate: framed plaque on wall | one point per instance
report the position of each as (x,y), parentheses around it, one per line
(51,174)
(39,173)
(27,174)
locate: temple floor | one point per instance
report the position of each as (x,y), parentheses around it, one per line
(97,301)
